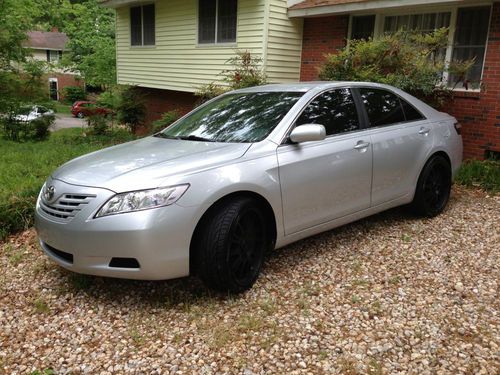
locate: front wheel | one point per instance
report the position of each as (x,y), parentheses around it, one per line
(230,245)
(80,115)
(433,187)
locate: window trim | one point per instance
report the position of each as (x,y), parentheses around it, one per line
(142,45)
(215,43)
(362,123)
(365,112)
(380,16)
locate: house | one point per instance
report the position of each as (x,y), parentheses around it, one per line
(172,47)
(49,47)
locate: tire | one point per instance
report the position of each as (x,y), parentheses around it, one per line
(230,245)
(433,187)
(80,115)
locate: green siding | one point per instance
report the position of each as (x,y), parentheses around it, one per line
(177,62)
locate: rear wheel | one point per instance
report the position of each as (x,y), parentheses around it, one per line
(230,245)
(433,187)
(80,115)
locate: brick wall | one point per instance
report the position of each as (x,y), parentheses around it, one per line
(322,35)
(161,101)
(479,113)
(64,80)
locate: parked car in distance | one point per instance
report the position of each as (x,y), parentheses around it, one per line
(83,109)
(28,113)
(249,171)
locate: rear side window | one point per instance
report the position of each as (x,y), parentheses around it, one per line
(335,110)
(383,107)
(411,113)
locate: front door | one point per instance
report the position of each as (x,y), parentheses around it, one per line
(53,92)
(324,180)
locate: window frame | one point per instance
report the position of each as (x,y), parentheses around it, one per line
(381,14)
(142,45)
(366,119)
(215,43)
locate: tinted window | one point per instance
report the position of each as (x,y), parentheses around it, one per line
(411,113)
(334,109)
(246,117)
(382,107)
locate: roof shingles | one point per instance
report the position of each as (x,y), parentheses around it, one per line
(46,40)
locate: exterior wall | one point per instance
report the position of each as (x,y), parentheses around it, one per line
(322,35)
(39,54)
(478,112)
(284,44)
(63,80)
(177,62)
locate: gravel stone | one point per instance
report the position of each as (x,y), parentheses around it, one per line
(391,294)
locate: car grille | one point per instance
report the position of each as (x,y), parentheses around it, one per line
(67,206)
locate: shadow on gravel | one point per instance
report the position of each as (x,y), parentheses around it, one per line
(189,291)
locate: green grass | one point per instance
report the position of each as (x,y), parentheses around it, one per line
(484,174)
(25,166)
(62,108)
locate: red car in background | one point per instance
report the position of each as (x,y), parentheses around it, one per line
(83,109)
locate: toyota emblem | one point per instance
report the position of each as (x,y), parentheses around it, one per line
(49,193)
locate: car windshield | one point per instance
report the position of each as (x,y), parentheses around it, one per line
(239,117)
(25,110)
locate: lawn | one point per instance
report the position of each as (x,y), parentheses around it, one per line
(25,166)
(62,108)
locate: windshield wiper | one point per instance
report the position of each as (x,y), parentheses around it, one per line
(161,135)
(194,138)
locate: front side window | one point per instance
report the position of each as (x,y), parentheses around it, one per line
(382,107)
(142,25)
(217,21)
(335,110)
(244,117)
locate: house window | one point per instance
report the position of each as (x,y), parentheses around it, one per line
(53,56)
(468,39)
(142,25)
(217,21)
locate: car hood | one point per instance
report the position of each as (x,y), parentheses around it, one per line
(146,163)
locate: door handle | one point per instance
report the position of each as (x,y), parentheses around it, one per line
(361,145)
(424,131)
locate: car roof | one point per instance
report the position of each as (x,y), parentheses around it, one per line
(307,86)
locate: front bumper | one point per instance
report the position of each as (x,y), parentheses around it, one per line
(158,239)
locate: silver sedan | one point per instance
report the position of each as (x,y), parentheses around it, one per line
(249,171)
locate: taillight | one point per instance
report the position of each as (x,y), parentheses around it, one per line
(458,128)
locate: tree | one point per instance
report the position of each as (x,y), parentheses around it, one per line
(91,32)
(413,62)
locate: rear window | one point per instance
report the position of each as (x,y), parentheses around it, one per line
(383,107)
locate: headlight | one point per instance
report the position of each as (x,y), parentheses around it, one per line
(142,200)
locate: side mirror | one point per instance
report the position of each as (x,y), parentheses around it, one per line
(308,133)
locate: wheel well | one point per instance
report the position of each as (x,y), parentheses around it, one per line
(263,203)
(443,154)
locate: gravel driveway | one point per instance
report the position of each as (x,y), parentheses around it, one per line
(389,294)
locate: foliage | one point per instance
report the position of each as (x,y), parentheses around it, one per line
(14,24)
(25,166)
(91,48)
(131,107)
(245,71)
(73,94)
(36,130)
(111,97)
(166,119)
(484,174)
(98,124)
(414,62)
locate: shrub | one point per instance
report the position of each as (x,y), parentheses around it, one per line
(98,124)
(74,93)
(245,72)
(37,129)
(166,119)
(110,98)
(484,174)
(131,108)
(410,61)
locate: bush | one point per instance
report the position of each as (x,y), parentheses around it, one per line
(37,129)
(245,72)
(484,174)
(166,119)
(131,108)
(110,98)
(74,93)
(410,61)
(98,124)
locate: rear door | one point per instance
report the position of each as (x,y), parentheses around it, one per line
(401,138)
(325,180)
